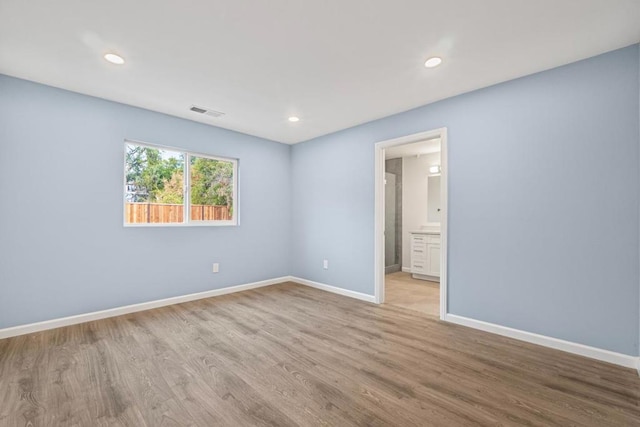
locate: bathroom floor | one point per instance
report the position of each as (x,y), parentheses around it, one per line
(419,295)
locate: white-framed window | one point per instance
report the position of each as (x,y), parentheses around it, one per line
(165,186)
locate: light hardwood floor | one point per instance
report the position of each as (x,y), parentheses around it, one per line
(420,295)
(290,355)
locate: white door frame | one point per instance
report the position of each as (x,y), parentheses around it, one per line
(379,210)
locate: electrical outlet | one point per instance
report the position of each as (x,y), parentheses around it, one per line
(216,267)
(325,264)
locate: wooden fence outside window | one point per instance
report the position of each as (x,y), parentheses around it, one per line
(159,213)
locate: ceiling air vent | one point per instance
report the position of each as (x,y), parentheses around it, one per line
(208,112)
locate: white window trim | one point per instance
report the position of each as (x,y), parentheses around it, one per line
(186,190)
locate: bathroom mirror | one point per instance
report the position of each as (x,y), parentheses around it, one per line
(433,199)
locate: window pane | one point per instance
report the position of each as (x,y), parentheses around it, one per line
(154,189)
(211,189)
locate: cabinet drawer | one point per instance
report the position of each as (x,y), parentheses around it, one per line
(433,239)
(419,254)
(418,238)
(418,266)
(418,245)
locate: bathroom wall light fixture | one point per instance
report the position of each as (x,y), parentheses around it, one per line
(434,169)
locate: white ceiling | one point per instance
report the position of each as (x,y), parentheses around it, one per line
(416,148)
(334,63)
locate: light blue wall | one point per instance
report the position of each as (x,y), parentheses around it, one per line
(544,193)
(63,249)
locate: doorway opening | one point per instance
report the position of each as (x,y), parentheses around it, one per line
(411,214)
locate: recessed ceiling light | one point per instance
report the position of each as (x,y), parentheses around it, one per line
(433,62)
(114,58)
(294,119)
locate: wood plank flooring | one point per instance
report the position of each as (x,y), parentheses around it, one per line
(403,290)
(290,355)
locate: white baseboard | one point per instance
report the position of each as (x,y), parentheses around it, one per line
(406,269)
(118,311)
(558,344)
(333,289)
(555,343)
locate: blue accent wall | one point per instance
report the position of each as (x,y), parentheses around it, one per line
(543,201)
(63,248)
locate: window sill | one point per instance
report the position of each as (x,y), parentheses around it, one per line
(183,224)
